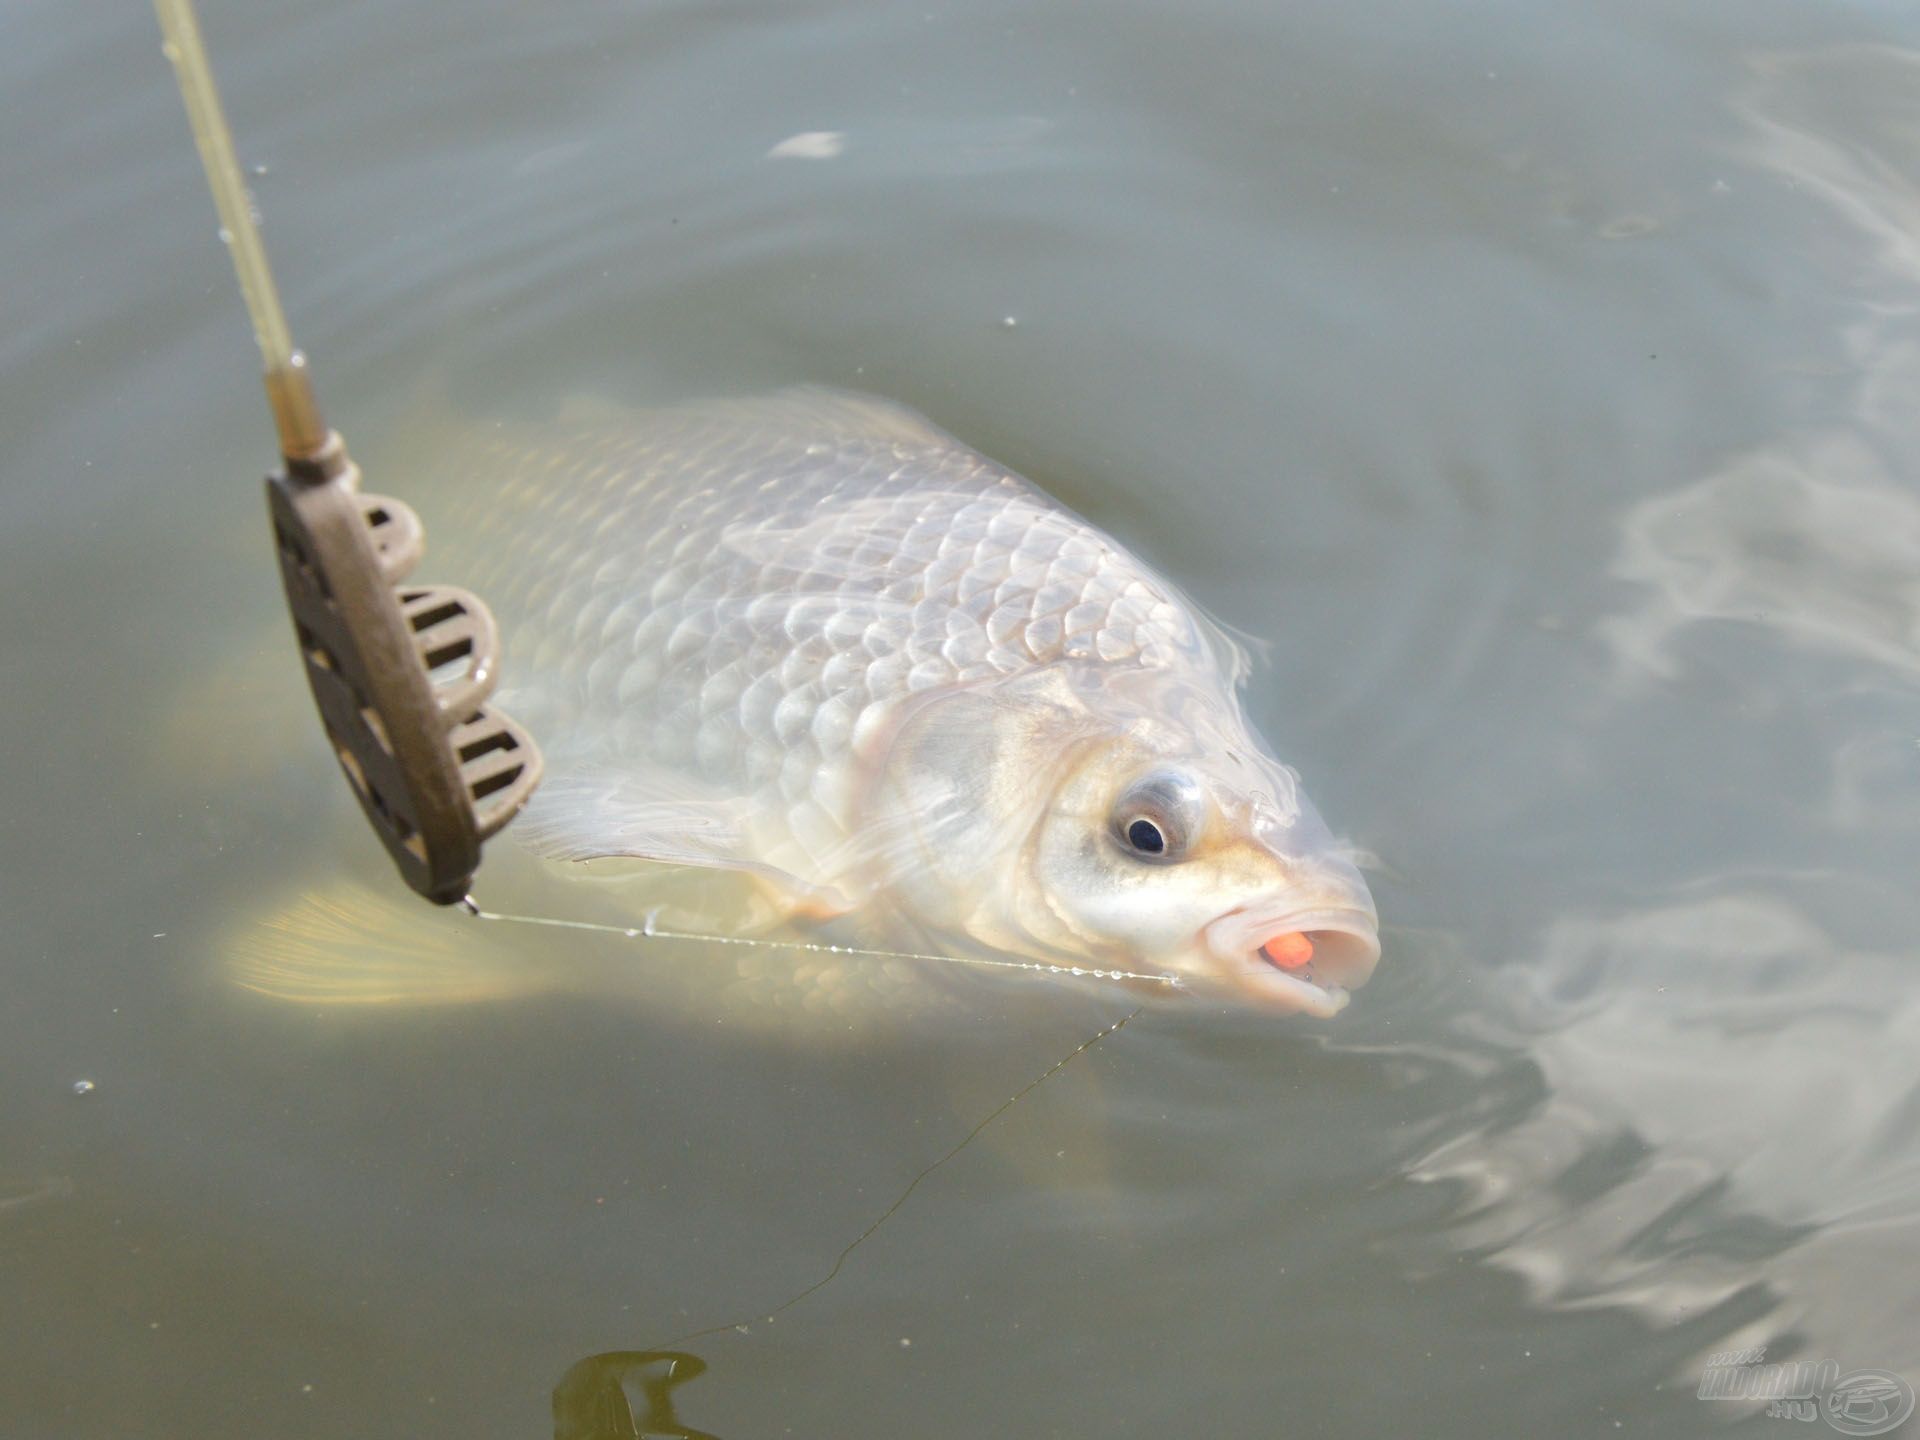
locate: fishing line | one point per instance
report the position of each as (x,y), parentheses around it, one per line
(649,930)
(741,1326)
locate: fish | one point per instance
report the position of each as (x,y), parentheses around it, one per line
(813,640)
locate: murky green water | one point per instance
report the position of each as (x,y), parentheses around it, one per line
(1538,382)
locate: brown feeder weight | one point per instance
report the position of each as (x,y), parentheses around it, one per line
(400,672)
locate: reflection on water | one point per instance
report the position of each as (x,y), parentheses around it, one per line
(1815,535)
(1728,1083)
(1734,1068)
(1811,540)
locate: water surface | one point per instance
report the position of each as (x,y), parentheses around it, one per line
(1535,384)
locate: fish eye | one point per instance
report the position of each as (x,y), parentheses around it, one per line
(1159,815)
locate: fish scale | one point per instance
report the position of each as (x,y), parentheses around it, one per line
(807,562)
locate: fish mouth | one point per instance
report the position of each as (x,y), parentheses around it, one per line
(1306,962)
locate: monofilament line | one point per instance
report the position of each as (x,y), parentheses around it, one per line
(649,930)
(741,1326)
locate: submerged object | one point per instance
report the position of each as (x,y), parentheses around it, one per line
(815,640)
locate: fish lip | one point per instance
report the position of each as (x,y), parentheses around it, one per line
(1347,942)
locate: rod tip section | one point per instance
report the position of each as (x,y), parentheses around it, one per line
(296,410)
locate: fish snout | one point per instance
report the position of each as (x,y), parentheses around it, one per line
(1304,951)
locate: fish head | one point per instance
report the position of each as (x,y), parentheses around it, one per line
(1194,851)
(1133,822)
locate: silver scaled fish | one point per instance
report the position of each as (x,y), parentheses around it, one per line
(813,639)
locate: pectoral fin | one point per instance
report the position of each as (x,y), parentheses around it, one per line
(355,945)
(590,812)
